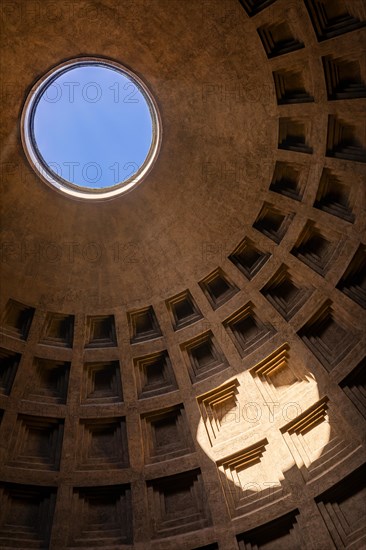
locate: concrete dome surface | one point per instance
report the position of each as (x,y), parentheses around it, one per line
(183,365)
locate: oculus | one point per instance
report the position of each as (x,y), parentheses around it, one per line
(91,128)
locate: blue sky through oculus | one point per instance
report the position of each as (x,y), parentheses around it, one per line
(93,127)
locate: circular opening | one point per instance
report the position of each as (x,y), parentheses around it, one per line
(91,128)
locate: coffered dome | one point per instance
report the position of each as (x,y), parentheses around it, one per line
(182,366)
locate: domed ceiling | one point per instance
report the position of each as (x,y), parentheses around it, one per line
(183,365)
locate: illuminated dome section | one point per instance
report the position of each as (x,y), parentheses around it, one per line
(91,129)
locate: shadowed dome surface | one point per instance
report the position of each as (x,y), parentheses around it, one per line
(183,365)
